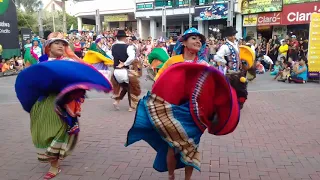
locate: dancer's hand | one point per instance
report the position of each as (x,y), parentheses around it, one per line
(120,65)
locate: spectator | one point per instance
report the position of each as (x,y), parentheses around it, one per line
(300,74)
(259,68)
(293,48)
(1,50)
(283,49)
(276,69)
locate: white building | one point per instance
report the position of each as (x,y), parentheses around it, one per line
(113,13)
(56,5)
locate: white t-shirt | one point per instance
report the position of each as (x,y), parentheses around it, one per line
(267,59)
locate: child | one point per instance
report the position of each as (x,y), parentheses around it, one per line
(300,73)
(276,69)
(285,73)
(260,68)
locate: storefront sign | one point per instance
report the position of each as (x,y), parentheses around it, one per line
(314,43)
(216,11)
(116,18)
(9,38)
(299,13)
(297,1)
(258,6)
(144,6)
(269,19)
(25,34)
(250,20)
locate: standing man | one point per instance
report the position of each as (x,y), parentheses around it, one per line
(227,56)
(123,55)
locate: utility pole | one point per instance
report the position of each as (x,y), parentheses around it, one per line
(53,13)
(190,15)
(230,12)
(98,23)
(164,20)
(40,21)
(64,18)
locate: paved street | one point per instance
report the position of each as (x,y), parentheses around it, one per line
(278,138)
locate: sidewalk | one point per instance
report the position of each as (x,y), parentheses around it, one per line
(278,138)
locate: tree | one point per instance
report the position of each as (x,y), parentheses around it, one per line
(29,5)
(27,20)
(58,17)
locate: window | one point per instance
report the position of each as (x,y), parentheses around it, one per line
(161,3)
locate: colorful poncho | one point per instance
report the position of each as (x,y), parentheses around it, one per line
(96,55)
(158,54)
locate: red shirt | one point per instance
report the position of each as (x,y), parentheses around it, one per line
(294,43)
(77,47)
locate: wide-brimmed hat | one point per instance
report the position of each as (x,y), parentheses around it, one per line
(192,32)
(56,36)
(213,102)
(229,31)
(178,48)
(133,38)
(121,33)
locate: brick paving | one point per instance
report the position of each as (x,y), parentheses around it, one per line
(278,138)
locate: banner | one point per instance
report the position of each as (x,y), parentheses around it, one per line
(258,6)
(116,18)
(9,29)
(314,44)
(297,1)
(25,35)
(216,11)
(269,19)
(250,20)
(299,14)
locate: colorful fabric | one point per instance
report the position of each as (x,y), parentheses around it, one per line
(94,57)
(28,58)
(199,97)
(49,132)
(158,54)
(234,63)
(162,124)
(30,86)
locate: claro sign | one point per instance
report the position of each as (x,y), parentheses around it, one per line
(299,13)
(267,19)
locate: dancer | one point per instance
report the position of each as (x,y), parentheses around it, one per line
(125,80)
(98,58)
(52,92)
(175,114)
(184,53)
(157,58)
(33,54)
(234,60)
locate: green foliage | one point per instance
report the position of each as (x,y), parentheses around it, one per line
(58,18)
(29,5)
(27,20)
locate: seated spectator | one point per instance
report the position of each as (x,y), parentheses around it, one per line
(300,73)
(276,69)
(6,66)
(260,68)
(285,73)
(1,65)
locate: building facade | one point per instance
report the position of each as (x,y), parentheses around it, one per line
(208,16)
(281,18)
(113,15)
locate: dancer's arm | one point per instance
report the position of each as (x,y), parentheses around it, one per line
(131,56)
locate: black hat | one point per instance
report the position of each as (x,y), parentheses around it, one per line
(46,34)
(229,31)
(248,38)
(121,33)
(133,38)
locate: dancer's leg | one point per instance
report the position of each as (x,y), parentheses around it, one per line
(188,172)
(171,163)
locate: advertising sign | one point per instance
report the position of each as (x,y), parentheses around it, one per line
(144,6)
(9,29)
(25,34)
(258,6)
(216,11)
(116,18)
(314,43)
(269,19)
(297,1)
(298,13)
(250,20)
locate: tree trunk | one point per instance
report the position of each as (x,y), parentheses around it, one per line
(64,16)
